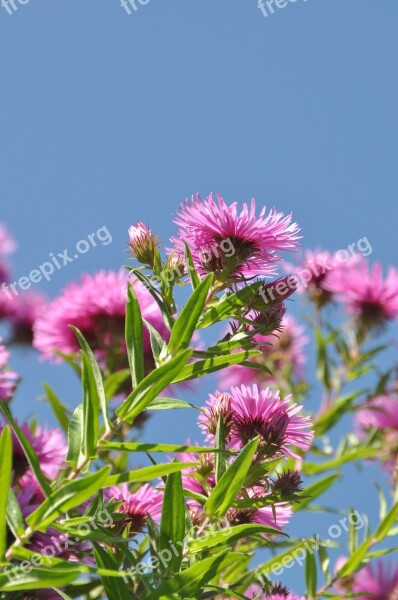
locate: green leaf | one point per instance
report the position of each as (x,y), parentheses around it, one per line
(75,437)
(145,447)
(5,485)
(36,578)
(158,345)
(310,575)
(15,518)
(151,386)
(193,274)
(185,325)
(115,588)
(210,365)
(221,458)
(70,495)
(315,490)
(350,455)
(168,319)
(193,579)
(172,524)
(230,304)
(230,484)
(230,535)
(95,374)
(147,473)
(169,404)
(134,337)
(90,410)
(334,414)
(59,410)
(27,449)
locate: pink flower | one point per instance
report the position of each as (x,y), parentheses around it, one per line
(377,582)
(27,307)
(8,379)
(381,413)
(366,294)
(282,351)
(240,244)
(96,305)
(137,505)
(49,446)
(276,516)
(252,412)
(313,273)
(7,243)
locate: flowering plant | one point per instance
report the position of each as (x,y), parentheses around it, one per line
(78,520)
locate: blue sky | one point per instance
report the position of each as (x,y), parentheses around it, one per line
(108,118)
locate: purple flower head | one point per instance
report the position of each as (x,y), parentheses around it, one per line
(238,244)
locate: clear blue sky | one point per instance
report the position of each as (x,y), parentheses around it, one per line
(108,118)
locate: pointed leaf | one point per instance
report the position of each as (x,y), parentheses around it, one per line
(5,485)
(185,325)
(134,337)
(230,484)
(27,448)
(172,524)
(151,386)
(96,374)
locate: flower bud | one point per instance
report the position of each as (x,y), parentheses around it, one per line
(143,243)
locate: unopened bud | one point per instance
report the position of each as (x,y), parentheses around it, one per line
(143,243)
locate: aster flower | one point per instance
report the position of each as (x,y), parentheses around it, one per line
(136,505)
(143,243)
(282,352)
(313,274)
(236,244)
(49,446)
(8,379)
(27,307)
(263,413)
(276,515)
(373,582)
(372,299)
(381,413)
(96,305)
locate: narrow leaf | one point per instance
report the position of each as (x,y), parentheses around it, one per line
(151,386)
(5,485)
(230,484)
(27,449)
(172,524)
(96,374)
(134,337)
(70,495)
(147,473)
(185,325)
